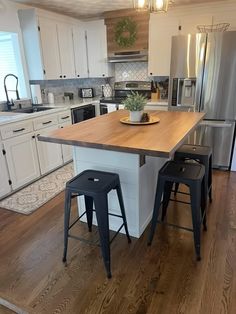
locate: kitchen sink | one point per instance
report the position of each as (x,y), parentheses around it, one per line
(31,109)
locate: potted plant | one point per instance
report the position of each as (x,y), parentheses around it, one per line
(135,103)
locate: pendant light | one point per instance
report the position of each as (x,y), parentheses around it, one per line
(158,6)
(153,6)
(141,5)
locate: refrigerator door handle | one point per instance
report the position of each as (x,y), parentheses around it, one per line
(217,124)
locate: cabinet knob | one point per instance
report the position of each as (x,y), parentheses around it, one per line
(62,127)
(150,73)
(103,75)
(60,76)
(33,136)
(78,75)
(64,76)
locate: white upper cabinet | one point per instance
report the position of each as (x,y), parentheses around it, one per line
(66,50)
(97,49)
(90,46)
(161,29)
(48,46)
(80,52)
(50,51)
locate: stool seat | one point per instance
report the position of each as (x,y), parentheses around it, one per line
(191,151)
(92,182)
(201,154)
(191,174)
(94,186)
(182,172)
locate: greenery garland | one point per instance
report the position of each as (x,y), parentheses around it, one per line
(123,28)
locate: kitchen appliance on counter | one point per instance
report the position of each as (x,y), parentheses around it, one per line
(86,92)
(202,78)
(121,90)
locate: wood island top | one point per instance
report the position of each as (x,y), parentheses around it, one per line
(107,132)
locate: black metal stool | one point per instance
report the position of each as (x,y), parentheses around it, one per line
(193,176)
(201,154)
(95,185)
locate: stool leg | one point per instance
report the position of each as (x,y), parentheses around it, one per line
(195,195)
(122,208)
(204,203)
(157,204)
(166,198)
(66,222)
(176,188)
(101,208)
(89,210)
(210,179)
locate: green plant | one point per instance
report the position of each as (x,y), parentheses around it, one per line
(125,32)
(135,102)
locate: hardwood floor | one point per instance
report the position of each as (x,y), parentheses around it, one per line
(162,279)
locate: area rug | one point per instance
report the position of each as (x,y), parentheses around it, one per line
(40,192)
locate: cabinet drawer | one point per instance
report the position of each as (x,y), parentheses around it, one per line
(16,129)
(64,117)
(45,122)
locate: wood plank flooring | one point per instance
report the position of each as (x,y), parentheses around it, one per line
(162,279)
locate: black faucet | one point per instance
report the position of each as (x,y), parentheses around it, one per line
(11,103)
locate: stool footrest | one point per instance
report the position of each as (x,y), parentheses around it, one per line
(174,226)
(183,202)
(115,235)
(83,240)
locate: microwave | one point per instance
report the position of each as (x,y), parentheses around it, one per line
(86,92)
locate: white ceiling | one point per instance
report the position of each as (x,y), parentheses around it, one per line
(90,8)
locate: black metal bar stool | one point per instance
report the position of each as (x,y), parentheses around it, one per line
(193,176)
(95,185)
(201,154)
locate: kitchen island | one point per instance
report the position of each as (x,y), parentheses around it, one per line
(135,152)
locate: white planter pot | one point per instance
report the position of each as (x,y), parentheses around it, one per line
(135,116)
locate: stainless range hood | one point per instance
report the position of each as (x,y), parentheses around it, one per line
(128,56)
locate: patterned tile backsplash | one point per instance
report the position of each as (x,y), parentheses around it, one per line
(131,71)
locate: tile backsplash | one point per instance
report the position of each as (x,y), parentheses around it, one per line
(59,87)
(131,71)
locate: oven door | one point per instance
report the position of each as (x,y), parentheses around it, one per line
(82,113)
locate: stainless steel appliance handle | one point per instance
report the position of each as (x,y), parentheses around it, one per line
(217,124)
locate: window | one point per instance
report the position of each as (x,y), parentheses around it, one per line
(10,62)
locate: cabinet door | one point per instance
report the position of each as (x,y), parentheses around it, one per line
(5,187)
(161,29)
(22,159)
(65,39)
(50,50)
(67,150)
(97,48)
(80,51)
(50,154)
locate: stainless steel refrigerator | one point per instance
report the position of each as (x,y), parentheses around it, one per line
(203,78)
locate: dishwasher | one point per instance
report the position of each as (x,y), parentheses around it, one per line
(82,113)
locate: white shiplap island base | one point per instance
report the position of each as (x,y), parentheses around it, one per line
(138,182)
(136,153)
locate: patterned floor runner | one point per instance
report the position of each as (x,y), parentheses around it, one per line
(38,193)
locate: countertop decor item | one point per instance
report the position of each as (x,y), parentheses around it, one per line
(135,103)
(152,120)
(107,90)
(125,32)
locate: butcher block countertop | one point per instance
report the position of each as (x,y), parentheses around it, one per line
(107,132)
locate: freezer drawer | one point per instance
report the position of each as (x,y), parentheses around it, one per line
(220,136)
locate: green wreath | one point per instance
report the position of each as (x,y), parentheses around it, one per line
(125,32)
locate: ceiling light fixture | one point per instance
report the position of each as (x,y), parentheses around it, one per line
(153,6)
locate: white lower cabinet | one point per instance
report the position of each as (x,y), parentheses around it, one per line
(50,154)
(22,159)
(5,186)
(66,149)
